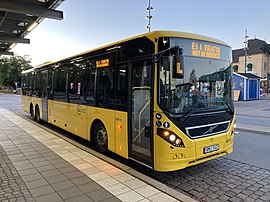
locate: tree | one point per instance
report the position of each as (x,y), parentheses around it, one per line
(10,69)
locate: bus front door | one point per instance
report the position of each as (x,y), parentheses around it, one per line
(141,138)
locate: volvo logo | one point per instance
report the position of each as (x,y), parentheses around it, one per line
(210,130)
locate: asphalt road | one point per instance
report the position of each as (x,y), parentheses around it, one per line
(252,149)
(10,101)
(253,120)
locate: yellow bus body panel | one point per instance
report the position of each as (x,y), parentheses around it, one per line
(166,156)
(53,112)
(116,124)
(170,158)
(61,114)
(66,116)
(121,133)
(80,122)
(26,100)
(78,119)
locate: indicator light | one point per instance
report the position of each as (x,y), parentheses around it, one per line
(166,133)
(119,126)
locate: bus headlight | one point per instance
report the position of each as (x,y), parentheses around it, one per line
(170,137)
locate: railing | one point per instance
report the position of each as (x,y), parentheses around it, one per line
(139,119)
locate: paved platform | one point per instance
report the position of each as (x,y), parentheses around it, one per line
(36,165)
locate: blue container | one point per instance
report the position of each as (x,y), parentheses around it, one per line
(248,84)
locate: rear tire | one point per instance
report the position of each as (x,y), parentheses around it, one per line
(101,138)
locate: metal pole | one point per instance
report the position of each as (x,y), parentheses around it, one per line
(149,14)
(149,17)
(246,43)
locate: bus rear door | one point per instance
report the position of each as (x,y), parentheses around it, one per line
(45,94)
(140,133)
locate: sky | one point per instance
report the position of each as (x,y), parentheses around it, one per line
(88,24)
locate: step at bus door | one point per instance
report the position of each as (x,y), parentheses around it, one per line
(140,134)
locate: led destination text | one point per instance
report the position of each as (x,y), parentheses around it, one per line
(103,63)
(204,50)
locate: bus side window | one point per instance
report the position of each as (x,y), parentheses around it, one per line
(105,86)
(76,83)
(23,84)
(121,97)
(60,75)
(90,78)
(37,85)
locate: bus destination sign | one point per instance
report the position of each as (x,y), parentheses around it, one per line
(201,49)
(103,63)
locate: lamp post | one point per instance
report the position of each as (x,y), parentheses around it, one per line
(149,17)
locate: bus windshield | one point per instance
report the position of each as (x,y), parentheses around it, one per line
(206,84)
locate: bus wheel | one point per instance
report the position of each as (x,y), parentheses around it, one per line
(37,115)
(101,138)
(32,112)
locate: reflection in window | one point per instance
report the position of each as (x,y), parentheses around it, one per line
(206,85)
(90,77)
(60,75)
(76,82)
(105,88)
(121,97)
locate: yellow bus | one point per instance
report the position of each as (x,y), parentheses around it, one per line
(163,99)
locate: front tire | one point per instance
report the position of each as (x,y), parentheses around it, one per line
(101,138)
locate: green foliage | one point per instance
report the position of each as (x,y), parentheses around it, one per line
(10,69)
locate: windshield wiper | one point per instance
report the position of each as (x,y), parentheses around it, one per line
(224,103)
(191,111)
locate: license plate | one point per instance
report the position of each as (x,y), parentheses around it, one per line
(210,148)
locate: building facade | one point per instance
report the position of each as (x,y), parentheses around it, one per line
(255,59)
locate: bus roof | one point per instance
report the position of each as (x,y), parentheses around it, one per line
(187,35)
(150,35)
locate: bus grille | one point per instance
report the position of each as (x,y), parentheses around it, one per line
(207,130)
